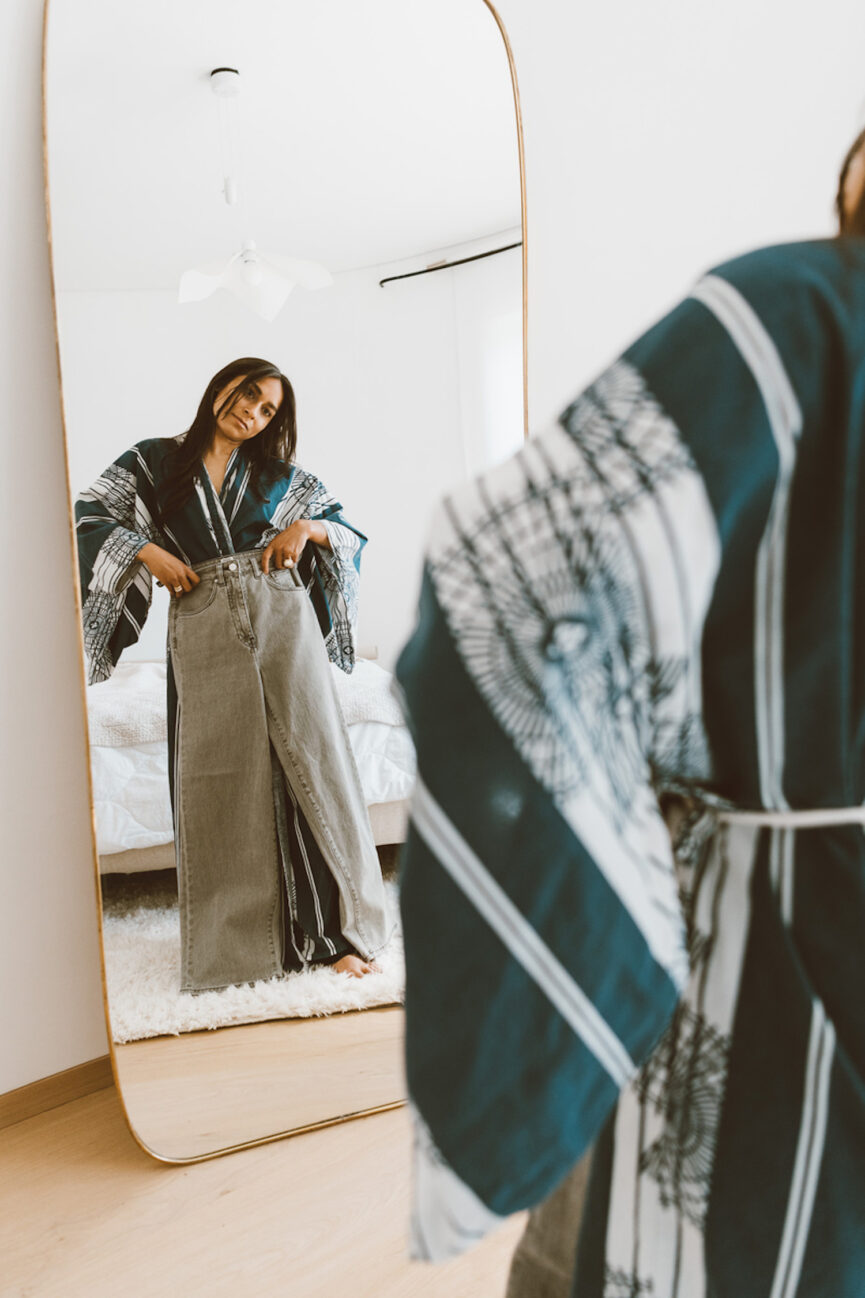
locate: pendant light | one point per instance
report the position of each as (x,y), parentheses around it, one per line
(261,280)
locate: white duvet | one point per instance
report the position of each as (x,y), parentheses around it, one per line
(129,754)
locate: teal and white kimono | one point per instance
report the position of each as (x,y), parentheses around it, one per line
(118,515)
(661,594)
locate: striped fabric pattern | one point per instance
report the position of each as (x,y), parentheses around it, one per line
(642,602)
(115,518)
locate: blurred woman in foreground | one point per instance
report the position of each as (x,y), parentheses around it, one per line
(659,599)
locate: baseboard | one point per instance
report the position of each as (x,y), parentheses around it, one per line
(51,1092)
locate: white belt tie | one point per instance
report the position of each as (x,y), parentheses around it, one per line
(795,819)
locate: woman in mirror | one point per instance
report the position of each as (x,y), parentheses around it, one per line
(277,868)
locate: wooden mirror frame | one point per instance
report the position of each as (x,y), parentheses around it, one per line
(73,557)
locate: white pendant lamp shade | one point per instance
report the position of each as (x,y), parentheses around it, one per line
(262,283)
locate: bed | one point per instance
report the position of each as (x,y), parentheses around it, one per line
(129,761)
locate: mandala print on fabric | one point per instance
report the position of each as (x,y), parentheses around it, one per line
(112,508)
(624,1284)
(634,452)
(684,1081)
(567,665)
(346,591)
(551,610)
(99,615)
(116,489)
(625,437)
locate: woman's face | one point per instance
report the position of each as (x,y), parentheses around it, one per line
(255,403)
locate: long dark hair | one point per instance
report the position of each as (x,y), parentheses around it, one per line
(268,453)
(852,222)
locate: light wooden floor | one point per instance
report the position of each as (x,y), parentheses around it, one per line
(85,1214)
(203,1091)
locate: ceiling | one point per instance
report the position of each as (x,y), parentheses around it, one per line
(369,131)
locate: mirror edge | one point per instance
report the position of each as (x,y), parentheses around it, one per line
(524,251)
(73,557)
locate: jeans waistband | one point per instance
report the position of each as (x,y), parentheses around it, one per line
(247,562)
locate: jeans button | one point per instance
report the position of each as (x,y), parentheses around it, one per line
(232,567)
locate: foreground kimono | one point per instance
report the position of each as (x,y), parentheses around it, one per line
(662,594)
(237,924)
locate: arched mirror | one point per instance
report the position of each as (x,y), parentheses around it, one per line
(329,194)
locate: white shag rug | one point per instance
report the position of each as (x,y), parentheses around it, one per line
(141,934)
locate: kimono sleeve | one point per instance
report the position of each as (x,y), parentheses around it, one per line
(114,520)
(332,575)
(554,669)
(340,570)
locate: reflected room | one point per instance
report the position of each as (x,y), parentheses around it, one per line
(334,189)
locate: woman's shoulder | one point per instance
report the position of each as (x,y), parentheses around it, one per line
(301,477)
(813,266)
(149,454)
(292,477)
(805,294)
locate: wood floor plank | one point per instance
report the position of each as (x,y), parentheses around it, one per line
(84,1212)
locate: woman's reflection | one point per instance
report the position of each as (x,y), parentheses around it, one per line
(276,861)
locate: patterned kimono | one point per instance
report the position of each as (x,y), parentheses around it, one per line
(660,596)
(119,514)
(116,517)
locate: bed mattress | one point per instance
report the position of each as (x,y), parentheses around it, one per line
(129,753)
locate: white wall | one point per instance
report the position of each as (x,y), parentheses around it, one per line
(659,138)
(489,328)
(401,392)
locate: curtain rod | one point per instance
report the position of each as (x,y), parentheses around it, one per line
(446,265)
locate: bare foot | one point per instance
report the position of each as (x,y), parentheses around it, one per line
(353,965)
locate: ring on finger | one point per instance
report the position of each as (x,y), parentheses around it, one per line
(178,589)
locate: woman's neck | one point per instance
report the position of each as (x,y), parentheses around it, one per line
(219,451)
(216,459)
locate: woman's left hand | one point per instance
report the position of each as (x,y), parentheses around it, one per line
(285,550)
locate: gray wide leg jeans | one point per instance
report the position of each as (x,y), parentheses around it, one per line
(253,679)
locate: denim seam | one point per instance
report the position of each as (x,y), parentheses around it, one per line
(241,620)
(323,827)
(187,973)
(269,578)
(178,604)
(277,901)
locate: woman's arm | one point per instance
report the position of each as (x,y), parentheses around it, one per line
(168,570)
(318,533)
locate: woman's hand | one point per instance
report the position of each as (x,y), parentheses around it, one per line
(169,571)
(285,550)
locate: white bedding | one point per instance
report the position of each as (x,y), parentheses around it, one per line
(130,779)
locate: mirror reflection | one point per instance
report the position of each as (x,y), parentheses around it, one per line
(276,862)
(288,279)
